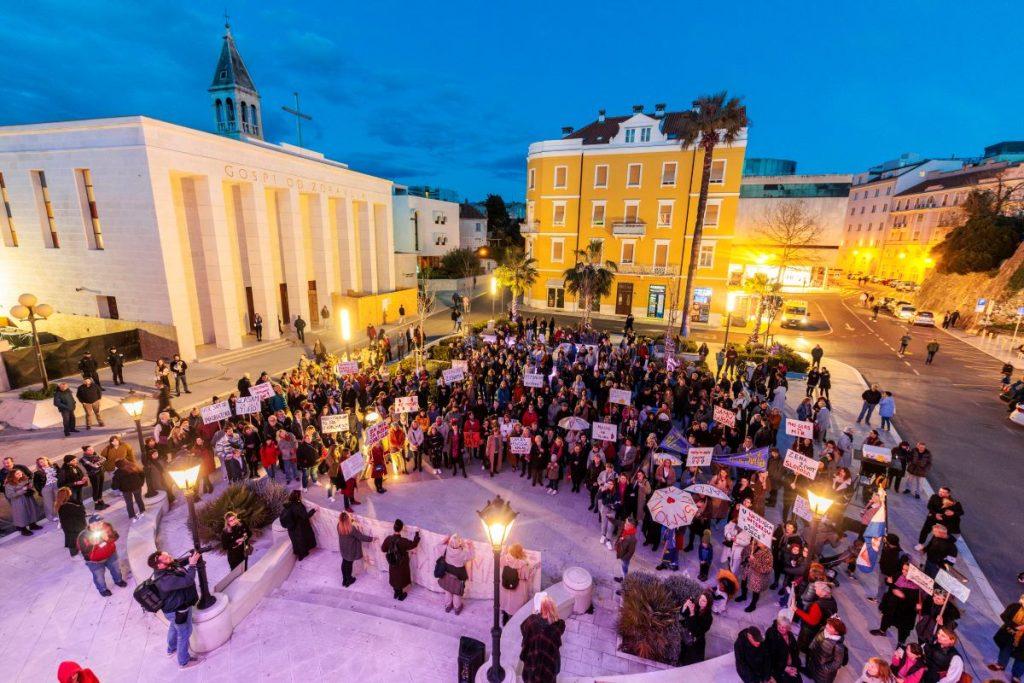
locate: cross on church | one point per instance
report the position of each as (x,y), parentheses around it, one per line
(299,116)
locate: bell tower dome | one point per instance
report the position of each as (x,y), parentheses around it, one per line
(235,100)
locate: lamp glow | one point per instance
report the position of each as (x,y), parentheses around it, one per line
(346,325)
(20,312)
(494,285)
(133,404)
(28,300)
(497,518)
(819,504)
(730,302)
(185,478)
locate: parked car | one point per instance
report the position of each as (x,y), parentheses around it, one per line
(926,318)
(794,314)
(1017,414)
(895,304)
(906,312)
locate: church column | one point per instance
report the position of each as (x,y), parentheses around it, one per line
(221,277)
(367,247)
(348,239)
(293,254)
(385,246)
(253,218)
(323,249)
(173,246)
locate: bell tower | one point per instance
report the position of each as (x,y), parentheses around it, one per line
(235,100)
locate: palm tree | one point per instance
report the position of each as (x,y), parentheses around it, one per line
(590,279)
(518,273)
(713,120)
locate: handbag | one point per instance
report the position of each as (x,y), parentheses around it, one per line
(441,566)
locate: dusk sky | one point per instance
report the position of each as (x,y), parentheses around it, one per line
(452,93)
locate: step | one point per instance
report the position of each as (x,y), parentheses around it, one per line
(229,356)
(429,617)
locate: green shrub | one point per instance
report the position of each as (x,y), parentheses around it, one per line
(649,618)
(684,588)
(258,503)
(1016,281)
(38,394)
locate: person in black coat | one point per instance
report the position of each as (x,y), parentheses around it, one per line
(783,652)
(71,514)
(295,518)
(234,539)
(1010,641)
(696,622)
(396,550)
(752,663)
(115,359)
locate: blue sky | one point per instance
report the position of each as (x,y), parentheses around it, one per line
(451,93)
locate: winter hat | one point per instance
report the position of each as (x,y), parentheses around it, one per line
(893,540)
(706,535)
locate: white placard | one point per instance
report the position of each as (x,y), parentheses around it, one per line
(407,404)
(876,454)
(262,391)
(520,445)
(348,367)
(699,457)
(453,375)
(506,428)
(799,428)
(952,585)
(464,364)
(353,465)
(534,380)
(375,433)
(801,464)
(489,338)
(926,582)
(215,412)
(724,416)
(247,405)
(605,431)
(623,397)
(755,525)
(802,509)
(332,424)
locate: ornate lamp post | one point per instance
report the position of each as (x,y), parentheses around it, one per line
(133,404)
(186,480)
(819,506)
(29,309)
(497,518)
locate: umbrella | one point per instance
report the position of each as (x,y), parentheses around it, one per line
(659,456)
(708,490)
(573,423)
(672,507)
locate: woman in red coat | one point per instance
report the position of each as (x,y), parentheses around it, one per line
(380,466)
(472,437)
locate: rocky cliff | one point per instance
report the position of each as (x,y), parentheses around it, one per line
(940,292)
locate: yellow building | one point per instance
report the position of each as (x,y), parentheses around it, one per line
(628,182)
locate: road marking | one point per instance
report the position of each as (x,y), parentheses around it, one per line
(848,326)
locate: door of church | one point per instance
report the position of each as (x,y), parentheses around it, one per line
(314,308)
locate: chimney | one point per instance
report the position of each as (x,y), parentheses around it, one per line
(600,115)
(638,109)
(566,130)
(659,110)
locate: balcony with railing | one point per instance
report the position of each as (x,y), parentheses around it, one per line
(529,228)
(648,269)
(629,226)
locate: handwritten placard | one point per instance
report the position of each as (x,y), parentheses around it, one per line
(375,433)
(247,405)
(453,375)
(489,338)
(215,412)
(407,404)
(605,431)
(262,391)
(952,585)
(878,454)
(755,525)
(464,364)
(534,380)
(800,429)
(724,416)
(699,457)
(520,445)
(348,367)
(802,509)
(926,582)
(506,428)
(623,397)
(332,424)
(353,465)
(801,464)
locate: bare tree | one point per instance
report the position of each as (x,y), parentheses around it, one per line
(792,232)
(426,302)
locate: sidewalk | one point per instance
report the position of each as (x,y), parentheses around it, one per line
(1001,347)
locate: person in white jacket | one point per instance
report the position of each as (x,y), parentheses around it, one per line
(415,439)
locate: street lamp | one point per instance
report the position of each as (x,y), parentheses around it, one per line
(819,506)
(29,309)
(730,306)
(346,331)
(186,480)
(497,518)
(133,404)
(494,293)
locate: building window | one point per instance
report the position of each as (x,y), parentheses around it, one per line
(107,306)
(876,191)
(597,214)
(440,239)
(90,214)
(628,256)
(885,207)
(631,135)
(632,211)
(558,213)
(661,254)
(561,177)
(706,256)
(862,210)
(529,213)
(10,233)
(556,297)
(668,174)
(634,174)
(645,135)
(601,176)
(533,179)
(50,237)
(718,171)
(853,210)
(664,213)
(557,250)
(711,211)
(888,190)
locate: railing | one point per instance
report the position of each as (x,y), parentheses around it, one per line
(629,227)
(639,269)
(530,228)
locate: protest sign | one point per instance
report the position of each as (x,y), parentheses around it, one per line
(708,491)
(724,416)
(755,459)
(699,457)
(353,465)
(464,364)
(534,380)
(453,375)
(755,525)
(926,582)
(952,585)
(520,445)
(671,364)
(802,509)
(489,338)
(623,397)
(506,427)
(605,431)
(332,424)
(800,429)
(247,405)
(876,454)
(215,412)
(348,367)
(407,404)
(375,433)
(801,464)
(262,391)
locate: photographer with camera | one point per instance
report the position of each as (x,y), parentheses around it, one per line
(176,583)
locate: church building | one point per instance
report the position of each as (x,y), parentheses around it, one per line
(132,222)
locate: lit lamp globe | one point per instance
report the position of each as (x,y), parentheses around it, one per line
(133,404)
(28,300)
(185,478)
(494,286)
(346,325)
(819,504)
(44,310)
(497,518)
(20,312)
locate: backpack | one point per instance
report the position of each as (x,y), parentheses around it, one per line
(509,578)
(393,555)
(148,595)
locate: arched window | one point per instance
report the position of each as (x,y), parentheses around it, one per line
(245,112)
(219,107)
(252,118)
(231,111)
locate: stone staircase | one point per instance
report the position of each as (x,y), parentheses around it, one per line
(227,357)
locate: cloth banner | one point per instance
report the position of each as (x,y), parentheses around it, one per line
(756,459)
(675,441)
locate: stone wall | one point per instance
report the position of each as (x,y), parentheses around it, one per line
(157,340)
(946,292)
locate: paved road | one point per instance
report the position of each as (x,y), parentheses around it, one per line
(952,406)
